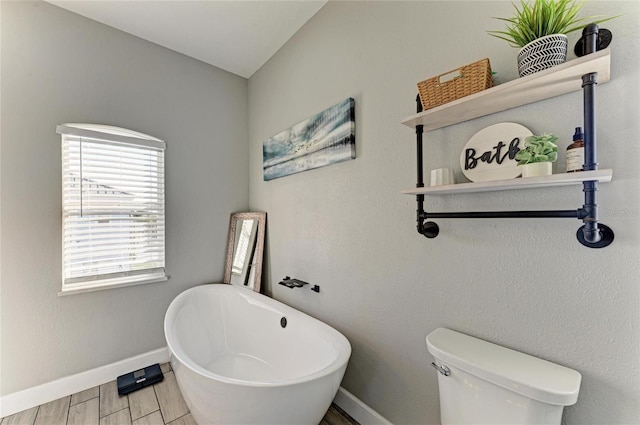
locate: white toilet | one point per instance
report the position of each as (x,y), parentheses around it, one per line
(484,383)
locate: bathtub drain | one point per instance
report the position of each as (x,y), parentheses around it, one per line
(283,322)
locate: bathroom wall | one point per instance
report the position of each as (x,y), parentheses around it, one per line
(525,284)
(59,67)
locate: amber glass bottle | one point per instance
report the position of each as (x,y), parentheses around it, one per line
(575,152)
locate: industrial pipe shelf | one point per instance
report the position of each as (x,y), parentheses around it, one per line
(583,73)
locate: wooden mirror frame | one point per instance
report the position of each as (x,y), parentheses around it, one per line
(261,218)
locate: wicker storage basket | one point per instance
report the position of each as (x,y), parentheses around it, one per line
(457,83)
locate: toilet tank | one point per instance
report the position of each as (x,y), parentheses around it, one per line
(490,384)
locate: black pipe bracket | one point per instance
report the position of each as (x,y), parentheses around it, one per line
(606,237)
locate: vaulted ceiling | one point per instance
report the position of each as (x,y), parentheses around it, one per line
(238,36)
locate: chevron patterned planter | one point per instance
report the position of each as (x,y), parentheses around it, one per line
(542,53)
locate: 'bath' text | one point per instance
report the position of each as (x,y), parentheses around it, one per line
(495,154)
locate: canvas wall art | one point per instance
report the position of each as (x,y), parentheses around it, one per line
(324,139)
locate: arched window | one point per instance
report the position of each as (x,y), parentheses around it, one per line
(113,205)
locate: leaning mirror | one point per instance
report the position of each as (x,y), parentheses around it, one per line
(245,249)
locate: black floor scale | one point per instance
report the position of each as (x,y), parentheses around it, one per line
(132,381)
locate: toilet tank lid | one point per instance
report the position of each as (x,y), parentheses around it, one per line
(518,372)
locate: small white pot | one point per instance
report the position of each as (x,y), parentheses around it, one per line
(536,169)
(542,53)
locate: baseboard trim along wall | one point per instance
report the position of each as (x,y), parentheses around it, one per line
(357,409)
(31,397)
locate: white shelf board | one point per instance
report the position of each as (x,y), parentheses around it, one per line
(542,85)
(553,180)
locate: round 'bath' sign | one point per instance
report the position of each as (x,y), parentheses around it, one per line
(490,153)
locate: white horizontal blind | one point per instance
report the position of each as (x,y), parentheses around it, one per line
(113,207)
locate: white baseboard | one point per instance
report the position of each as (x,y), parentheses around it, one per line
(31,397)
(359,411)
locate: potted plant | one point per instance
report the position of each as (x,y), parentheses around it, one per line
(539,28)
(538,154)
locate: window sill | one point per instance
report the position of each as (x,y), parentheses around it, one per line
(81,289)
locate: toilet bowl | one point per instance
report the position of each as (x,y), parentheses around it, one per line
(484,383)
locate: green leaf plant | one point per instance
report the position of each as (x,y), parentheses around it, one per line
(544,17)
(541,148)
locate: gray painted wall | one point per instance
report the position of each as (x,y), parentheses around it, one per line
(59,67)
(528,285)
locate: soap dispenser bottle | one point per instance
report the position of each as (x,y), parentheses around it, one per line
(575,152)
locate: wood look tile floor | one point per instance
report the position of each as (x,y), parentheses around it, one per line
(159,404)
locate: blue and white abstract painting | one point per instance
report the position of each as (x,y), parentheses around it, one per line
(323,139)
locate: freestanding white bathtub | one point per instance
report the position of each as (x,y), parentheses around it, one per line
(236,364)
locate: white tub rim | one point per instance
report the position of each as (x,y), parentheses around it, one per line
(340,361)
